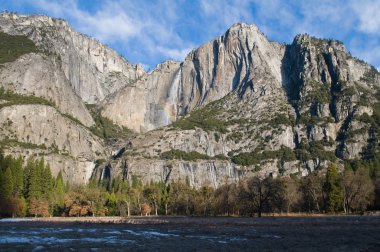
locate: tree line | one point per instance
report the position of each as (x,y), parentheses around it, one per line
(30,190)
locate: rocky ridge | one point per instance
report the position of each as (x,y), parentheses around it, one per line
(239,105)
(296,109)
(92,69)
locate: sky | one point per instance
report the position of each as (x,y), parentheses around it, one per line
(152,31)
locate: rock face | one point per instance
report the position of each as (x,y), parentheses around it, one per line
(93,70)
(49,134)
(241,59)
(149,103)
(239,105)
(300,106)
(41,76)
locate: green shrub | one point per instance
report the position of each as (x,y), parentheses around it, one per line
(182,155)
(309,120)
(217,137)
(26,145)
(236,136)
(320,93)
(303,155)
(18,99)
(370,75)
(256,156)
(205,118)
(280,119)
(317,150)
(105,128)
(221,157)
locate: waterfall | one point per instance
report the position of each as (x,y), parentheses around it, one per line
(172,99)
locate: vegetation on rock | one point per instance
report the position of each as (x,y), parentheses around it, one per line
(255,157)
(182,155)
(105,128)
(14,46)
(12,98)
(205,118)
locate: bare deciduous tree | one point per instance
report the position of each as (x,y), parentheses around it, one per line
(358,190)
(292,195)
(261,194)
(312,189)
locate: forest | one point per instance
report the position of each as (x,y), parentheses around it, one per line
(27,188)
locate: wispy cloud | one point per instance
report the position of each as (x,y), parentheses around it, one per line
(131,25)
(367,12)
(172,53)
(218,15)
(150,31)
(110,22)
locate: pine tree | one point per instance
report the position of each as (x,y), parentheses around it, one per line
(27,171)
(111,204)
(47,181)
(18,176)
(6,186)
(34,180)
(59,194)
(333,189)
(166,191)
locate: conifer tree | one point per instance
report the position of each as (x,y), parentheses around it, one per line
(333,189)
(34,180)
(18,176)
(47,182)
(6,188)
(59,194)
(111,204)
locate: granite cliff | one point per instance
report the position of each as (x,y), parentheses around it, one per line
(237,106)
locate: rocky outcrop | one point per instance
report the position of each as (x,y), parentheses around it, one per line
(93,70)
(43,125)
(240,60)
(149,103)
(198,173)
(56,138)
(329,90)
(248,95)
(41,76)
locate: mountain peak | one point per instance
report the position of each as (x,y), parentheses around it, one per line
(243,28)
(92,69)
(242,25)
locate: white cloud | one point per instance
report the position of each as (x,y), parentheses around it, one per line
(174,54)
(370,54)
(219,15)
(152,31)
(367,12)
(111,22)
(131,25)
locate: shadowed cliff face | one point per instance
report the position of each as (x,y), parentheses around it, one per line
(329,90)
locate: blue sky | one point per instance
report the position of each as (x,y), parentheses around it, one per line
(149,32)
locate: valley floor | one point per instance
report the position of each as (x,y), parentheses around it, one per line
(317,233)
